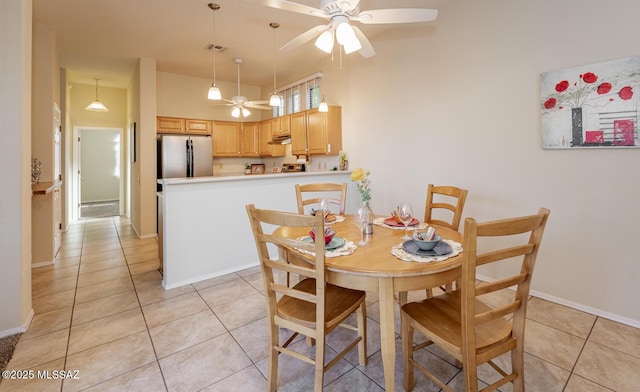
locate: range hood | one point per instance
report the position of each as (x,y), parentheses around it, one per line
(281,139)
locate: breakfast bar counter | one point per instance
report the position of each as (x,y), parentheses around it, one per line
(203,227)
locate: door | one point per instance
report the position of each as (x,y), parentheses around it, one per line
(202,156)
(173,150)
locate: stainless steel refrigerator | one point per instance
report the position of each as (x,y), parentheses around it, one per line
(184,156)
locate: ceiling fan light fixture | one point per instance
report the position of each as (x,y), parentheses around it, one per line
(235,112)
(214,93)
(352,46)
(325,41)
(345,34)
(96,105)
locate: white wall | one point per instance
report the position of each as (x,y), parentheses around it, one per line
(100,164)
(15,153)
(463,97)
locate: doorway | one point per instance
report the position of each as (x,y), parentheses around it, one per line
(97,186)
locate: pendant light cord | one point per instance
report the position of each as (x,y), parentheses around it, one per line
(274,26)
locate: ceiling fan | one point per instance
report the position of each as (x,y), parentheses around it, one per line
(340,13)
(239,103)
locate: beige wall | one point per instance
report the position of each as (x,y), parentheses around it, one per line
(464,97)
(15,153)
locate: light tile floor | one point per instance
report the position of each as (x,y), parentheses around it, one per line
(102,311)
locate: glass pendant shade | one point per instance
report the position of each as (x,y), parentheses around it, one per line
(236,111)
(214,93)
(325,41)
(245,112)
(347,38)
(323,107)
(96,105)
(274,100)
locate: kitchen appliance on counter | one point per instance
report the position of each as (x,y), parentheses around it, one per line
(184,156)
(293,167)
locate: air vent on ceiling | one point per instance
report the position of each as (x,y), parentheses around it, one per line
(218,48)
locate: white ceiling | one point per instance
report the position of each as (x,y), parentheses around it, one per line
(104,38)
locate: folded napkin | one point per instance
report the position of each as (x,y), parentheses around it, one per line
(380,222)
(345,250)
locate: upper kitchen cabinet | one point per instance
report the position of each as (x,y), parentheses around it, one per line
(324,131)
(250,138)
(226,139)
(171,125)
(299,133)
(197,127)
(266,136)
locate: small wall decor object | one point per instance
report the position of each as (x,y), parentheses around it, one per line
(257,168)
(35,170)
(591,106)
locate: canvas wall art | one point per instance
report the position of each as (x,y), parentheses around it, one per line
(591,106)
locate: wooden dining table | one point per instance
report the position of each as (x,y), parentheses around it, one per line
(372,267)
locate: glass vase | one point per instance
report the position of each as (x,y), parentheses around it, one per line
(368,230)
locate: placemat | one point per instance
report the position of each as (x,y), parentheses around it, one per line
(348,248)
(403,255)
(380,222)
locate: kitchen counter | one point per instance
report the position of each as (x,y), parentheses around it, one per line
(204,230)
(245,177)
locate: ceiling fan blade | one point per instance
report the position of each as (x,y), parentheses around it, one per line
(367,49)
(256,102)
(397,15)
(304,37)
(256,106)
(291,6)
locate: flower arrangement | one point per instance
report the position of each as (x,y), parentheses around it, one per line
(581,93)
(343,156)
(361,177)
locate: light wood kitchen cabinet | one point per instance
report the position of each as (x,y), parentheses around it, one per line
(324,131)
(197,127)
(171,125)
(298,123)
(250,138)
(226,139)
(266,149)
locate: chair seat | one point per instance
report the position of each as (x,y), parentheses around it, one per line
(441,317)
(339,303)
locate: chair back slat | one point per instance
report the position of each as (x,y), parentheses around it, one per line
(498,312)
(497,285)
(335,194)
(444,198)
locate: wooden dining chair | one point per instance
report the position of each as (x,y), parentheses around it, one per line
(443,202)
(447,199)
(461,324)
(312,307)
(336,195)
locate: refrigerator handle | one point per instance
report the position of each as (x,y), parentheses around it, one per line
(189,158)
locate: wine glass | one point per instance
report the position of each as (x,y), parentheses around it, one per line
(362,220)
(405,214)
(324,205)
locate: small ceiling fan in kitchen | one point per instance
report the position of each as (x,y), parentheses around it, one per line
(239,104)
(340,14)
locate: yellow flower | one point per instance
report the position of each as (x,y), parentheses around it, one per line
(358,174)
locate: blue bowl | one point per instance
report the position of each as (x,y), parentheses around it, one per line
(426,245)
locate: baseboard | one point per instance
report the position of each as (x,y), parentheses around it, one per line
(20,329)
(578,306)
(42,264)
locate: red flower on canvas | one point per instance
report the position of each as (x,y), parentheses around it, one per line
(550,103)
(589,77)
(584,92)
(604,88)
(560,87)
(626,93)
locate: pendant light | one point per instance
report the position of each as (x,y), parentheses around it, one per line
(275,98)
(214,91)
(96,105)
(323,107)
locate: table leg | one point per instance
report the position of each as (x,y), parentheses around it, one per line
(387,331)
